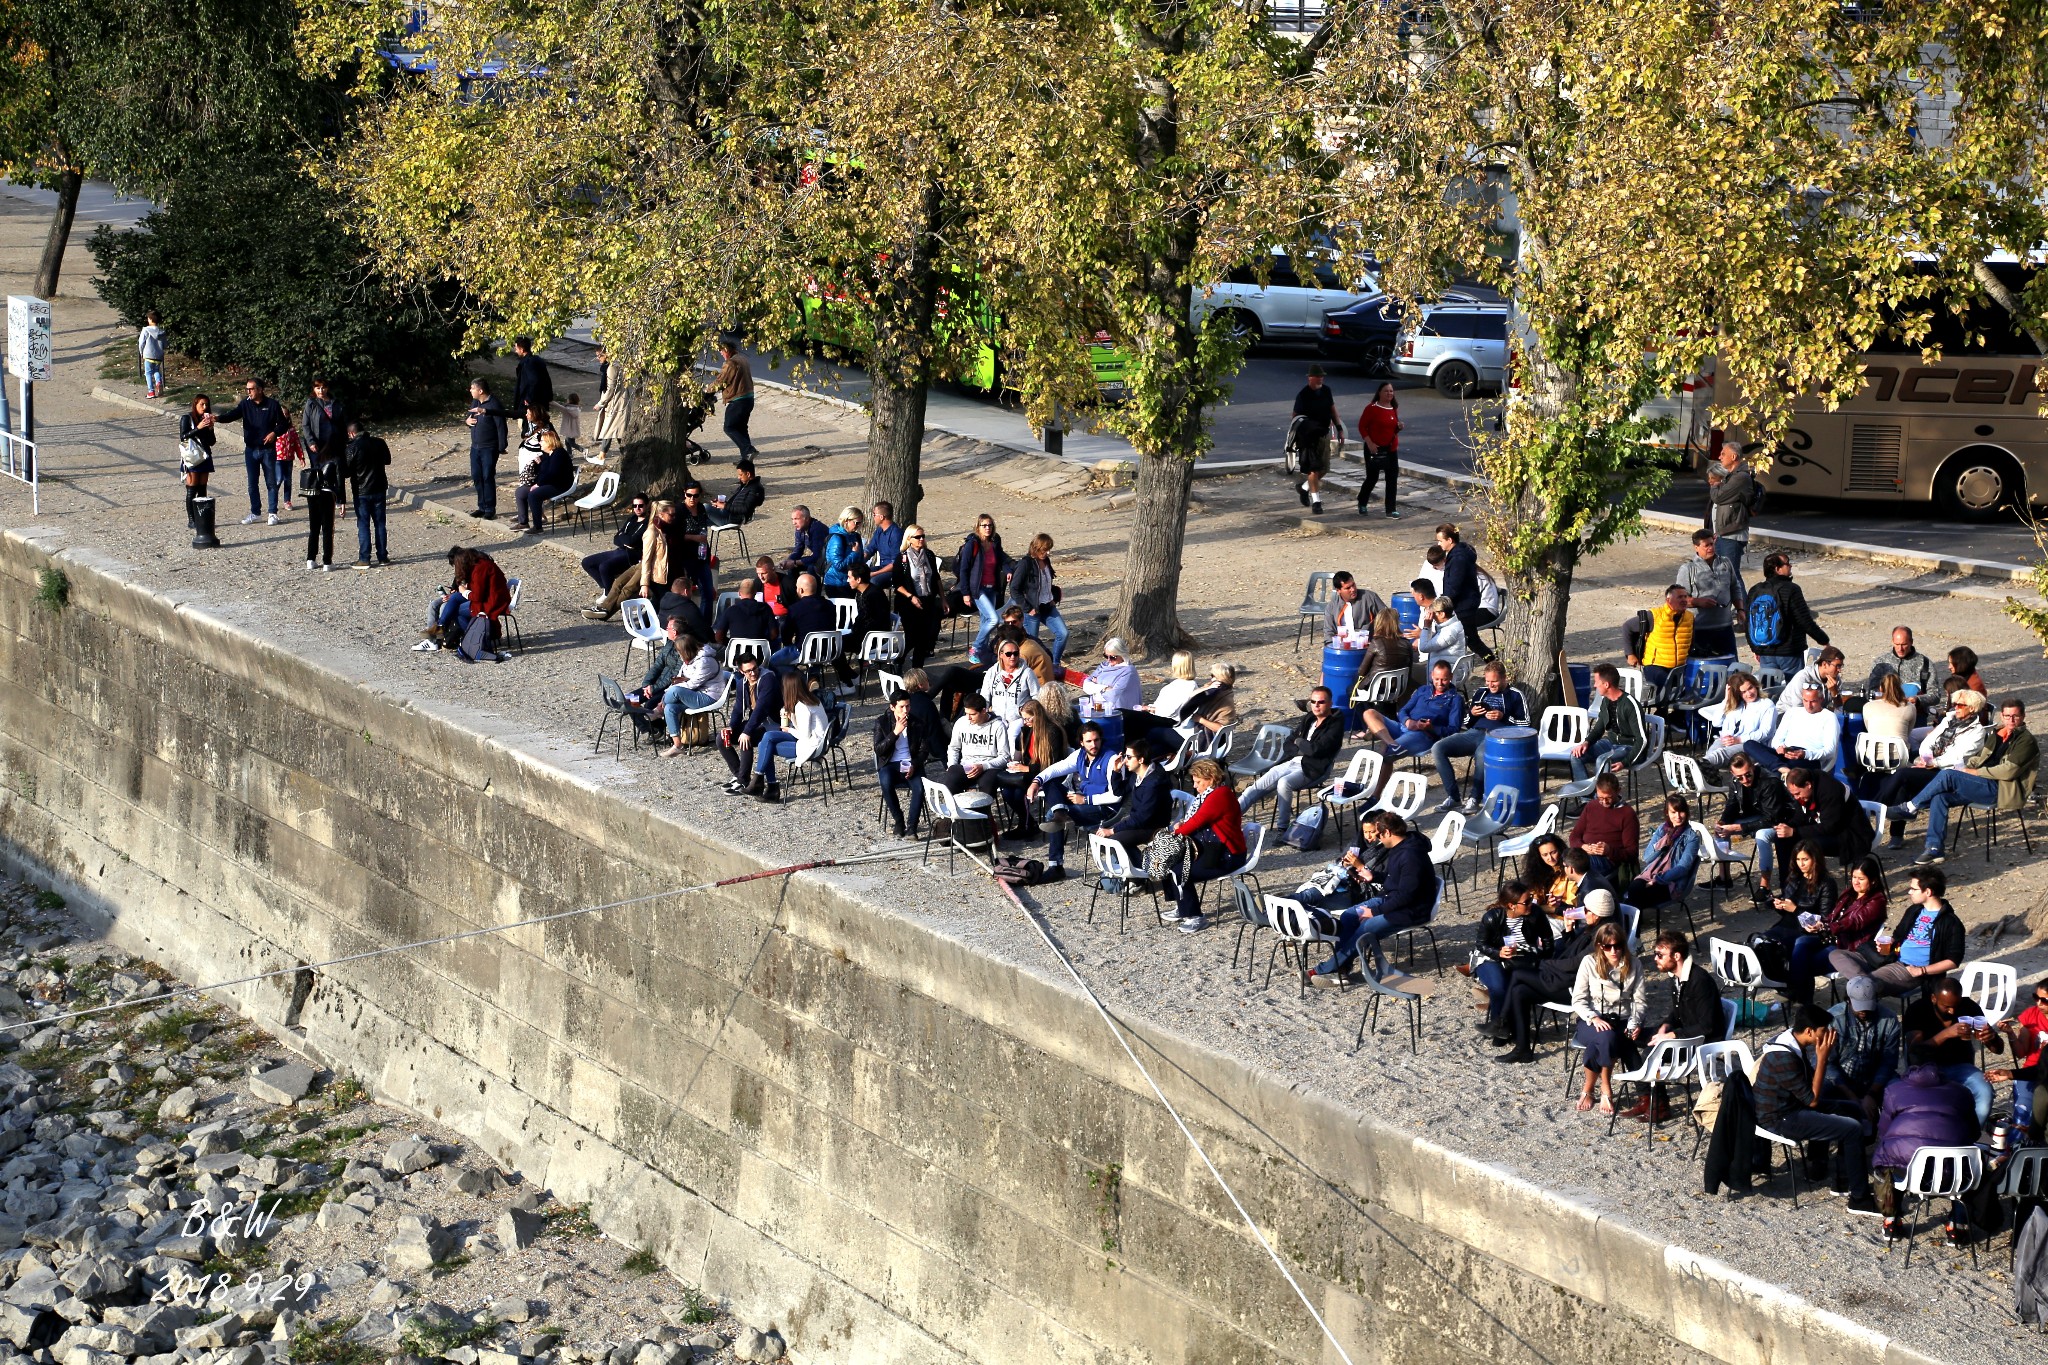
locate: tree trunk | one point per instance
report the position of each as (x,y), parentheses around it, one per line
(1533,631)
(895,443)
(52,267)
(1148,616)
(653,447)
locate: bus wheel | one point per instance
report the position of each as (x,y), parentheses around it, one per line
(1976,485)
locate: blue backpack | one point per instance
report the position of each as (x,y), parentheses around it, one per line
(1766,623)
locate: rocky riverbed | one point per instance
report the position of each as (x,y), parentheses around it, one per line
(178,1187)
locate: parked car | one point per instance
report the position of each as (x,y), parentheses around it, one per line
(1364,333)
(1289,306)
(1461,348)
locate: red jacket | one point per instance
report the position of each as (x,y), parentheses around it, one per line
(1219,812)
(1614,826)
(1381,426)
(489,595)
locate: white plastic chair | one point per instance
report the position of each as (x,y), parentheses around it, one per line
(844,610)
(1110,859)
(1461,668)
(1685,776)
(819,648)
(1360,780)
(1633,683)
(717,702)
(1483,830)
(1403,795)
(1713,1063)
(1993,985)
(643,629)
(746,647)
(1315,600)
(1670,1062)
(892,683)
(1561,730)
(1381,691)
(1880,753)
(943,804)
(600,497)
(1736,967)
(510,618)
(1653,756)
(1940,1173)
(1295,928)
(1445,841)
(1183,803)
(1269,746)
(879,647)
(1520,845)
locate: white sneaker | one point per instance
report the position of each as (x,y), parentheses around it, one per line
(309,565)
(326,568)
(273,518)
(252,519)
(426,647)
(1469,804)
(1193,924)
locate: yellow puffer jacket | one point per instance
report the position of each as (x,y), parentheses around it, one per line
(1670,638)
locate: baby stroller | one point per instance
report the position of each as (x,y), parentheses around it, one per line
(694,416)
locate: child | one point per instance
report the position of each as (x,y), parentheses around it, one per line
(569,426)
(150,342)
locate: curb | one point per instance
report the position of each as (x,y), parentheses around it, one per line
(122,400)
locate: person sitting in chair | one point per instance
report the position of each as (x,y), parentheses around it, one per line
(1408,895)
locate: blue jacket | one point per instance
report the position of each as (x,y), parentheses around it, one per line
(1145,810)
(1445,715)
(1084,778)
(884,545)
(1461,578)
(261,419)
(1407,883)
(1509,703)
(1685,861)
(842,547)
(808,548)
(808,616)
(754,716)
(967,568)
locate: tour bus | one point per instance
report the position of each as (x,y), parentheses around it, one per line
(1966,432)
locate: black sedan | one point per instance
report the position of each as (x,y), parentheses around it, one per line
(1363,334)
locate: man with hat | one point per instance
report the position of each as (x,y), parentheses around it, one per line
(1315,424)
(1866,1056)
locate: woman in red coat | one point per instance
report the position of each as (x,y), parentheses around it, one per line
(1216,829)
(1379,427)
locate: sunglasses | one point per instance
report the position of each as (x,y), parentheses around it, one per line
(1317,701)
(917,537)
(1009,654)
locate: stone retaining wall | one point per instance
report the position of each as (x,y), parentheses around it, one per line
(892,1147)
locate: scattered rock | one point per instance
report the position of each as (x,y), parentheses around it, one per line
(711,1342)
(480,1180)
(518,1229)
(528,1201)
(284,1085)
(418,1242)
(179,1106)
(386,1292)
(409,1154)
(516,1310)
(756,1346)
(337,1216)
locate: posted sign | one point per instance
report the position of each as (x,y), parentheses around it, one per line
(28,338)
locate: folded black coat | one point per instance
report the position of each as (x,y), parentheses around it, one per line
(1731,1151)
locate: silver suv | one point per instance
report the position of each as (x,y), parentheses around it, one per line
(1461,348)
(1289,306)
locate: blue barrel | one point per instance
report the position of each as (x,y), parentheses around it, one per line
(1408,609)
(1510,759)
(1340,675)
(1582,682)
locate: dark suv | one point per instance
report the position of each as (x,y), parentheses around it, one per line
(1364,333)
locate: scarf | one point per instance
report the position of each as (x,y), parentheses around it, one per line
(1667,854)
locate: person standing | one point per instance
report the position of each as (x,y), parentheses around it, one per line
(323,489)
(486,447)
(1780,622)
(532,385)
(1461,570)
(920,595)
(1716,598)
(735,384)
(150,342)
(885,543)
(1731,487)
(612,407)
(263,420)
(326,427)
(1032,588)
(1315,427)
(982,573)
(1379,429)
(195,453)
(368,459)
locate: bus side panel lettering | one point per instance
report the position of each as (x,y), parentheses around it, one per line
(1885,377)
(1909,392)
(2023,385)
(1983,386)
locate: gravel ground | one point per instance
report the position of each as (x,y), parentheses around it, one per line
(179,1188)
(1248,551)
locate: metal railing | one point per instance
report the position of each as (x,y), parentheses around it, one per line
(1295,16)
(20,460)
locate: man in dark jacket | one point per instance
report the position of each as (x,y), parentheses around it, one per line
(605,566)
(1315,427)
(1695,1011)
(263,420)
(903,750)
(1780,627)
(367,460)
(1314,745)
(1619,736)
(1787,1091)
(1756,804)
(1921,1109)
(756,704)
(1461,585)
(746,617)
(1408,895)
(486,420)
(324,424)
(1867,1045)
(1823,809)
(807,546)
(1146,807)
(811,613)
(738,507)
(532,385)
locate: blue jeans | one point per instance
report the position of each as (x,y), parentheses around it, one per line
(677,700)
(1972,1080)
(152,374)
(1809,959)
(483,477)
(1087,817)
(991,617)
(369,518)
(1788,664)
(737,414)
(1049,617)
(256,459)
(1731,550)
(1464,744)
(1494,977)
(784,657)
(1953,787)
(774,744)
(1360,928)
(1596,757)
(453,613)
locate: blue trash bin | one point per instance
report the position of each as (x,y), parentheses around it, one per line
(1340,675)
(1510,758)
(1408,609)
